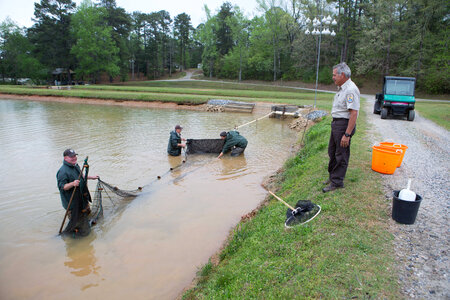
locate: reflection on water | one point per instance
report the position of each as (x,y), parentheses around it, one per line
(233,168)
(80,256)
(147,248)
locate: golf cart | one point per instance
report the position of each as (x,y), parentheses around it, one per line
(397,98)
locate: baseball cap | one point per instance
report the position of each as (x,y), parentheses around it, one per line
(178,127)
(223,133)
(69,153)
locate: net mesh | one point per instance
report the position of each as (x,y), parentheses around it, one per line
(304,212)
(81,224)
(200,146)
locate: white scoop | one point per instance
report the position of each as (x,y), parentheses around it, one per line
(407,194)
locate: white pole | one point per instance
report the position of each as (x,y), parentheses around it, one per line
(317,70)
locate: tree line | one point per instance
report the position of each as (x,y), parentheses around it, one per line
(375,37)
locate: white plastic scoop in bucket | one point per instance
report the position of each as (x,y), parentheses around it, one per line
(407,194)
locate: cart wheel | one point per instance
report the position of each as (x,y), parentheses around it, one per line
(384,113)
(377,108)
(411,115)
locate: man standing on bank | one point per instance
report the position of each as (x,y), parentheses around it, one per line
(344,112)
(175,142)
(234,142)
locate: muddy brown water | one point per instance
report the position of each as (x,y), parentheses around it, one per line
(147,248)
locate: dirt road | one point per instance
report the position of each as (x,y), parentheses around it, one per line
(422,248)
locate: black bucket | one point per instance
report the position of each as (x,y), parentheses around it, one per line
(405,212)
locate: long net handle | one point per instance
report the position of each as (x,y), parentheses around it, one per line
(71,197)
(281,200)
(237,127)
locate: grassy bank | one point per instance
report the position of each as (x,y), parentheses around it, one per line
(346,252)
(438,112)
(173,91)
(211,91)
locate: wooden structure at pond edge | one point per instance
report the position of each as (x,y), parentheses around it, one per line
(239,107)
(232,106)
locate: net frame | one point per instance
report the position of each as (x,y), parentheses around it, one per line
(202,146)
(305,211)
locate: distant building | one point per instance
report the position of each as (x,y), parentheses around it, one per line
(61,76)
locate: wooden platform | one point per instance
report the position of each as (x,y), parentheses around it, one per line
(239,107)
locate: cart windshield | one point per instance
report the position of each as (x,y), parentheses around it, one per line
(399,87)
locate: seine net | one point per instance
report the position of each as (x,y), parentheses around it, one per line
(81,220)
(200,146)
(304,212)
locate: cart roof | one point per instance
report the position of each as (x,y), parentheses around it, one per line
(399,78)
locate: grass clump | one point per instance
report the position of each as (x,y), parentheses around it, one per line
(346,252)
(438,112)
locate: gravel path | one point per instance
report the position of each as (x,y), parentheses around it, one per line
(422,248)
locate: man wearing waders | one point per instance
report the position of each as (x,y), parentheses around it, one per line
(234,142)
(344,113)
(175,142)
(68,178)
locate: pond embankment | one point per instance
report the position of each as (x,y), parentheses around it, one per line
(129,103)
(346,252)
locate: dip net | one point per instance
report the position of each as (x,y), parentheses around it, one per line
(304,212)
(201,146)
(82,220)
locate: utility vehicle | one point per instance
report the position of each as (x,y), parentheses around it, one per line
(397,98)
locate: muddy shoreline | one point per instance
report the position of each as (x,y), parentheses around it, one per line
(128,103)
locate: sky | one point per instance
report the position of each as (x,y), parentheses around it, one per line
(21,11)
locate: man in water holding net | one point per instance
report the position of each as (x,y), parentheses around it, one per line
(175,142)
(234,142)
(72,182)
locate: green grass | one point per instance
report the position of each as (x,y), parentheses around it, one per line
(438,112)
(174,92)
(199,84)
(252,94)
(346,252)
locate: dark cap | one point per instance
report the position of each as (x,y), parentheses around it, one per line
(223,133)
(69,153)
(178,127)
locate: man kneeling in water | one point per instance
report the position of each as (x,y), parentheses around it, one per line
(234,142)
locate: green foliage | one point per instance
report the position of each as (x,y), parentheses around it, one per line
(223,31)
(326,75)
(376,38)
(50,35)
(406,39)
(207,38)
(15,59)
(182,29)
(94,47)
(120,22)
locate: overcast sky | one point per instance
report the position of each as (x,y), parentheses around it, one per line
(21,11)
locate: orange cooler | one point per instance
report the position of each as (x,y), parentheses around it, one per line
(385,160)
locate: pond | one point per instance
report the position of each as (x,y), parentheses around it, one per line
(148,248)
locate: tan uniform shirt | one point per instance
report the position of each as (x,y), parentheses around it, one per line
(346,98)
